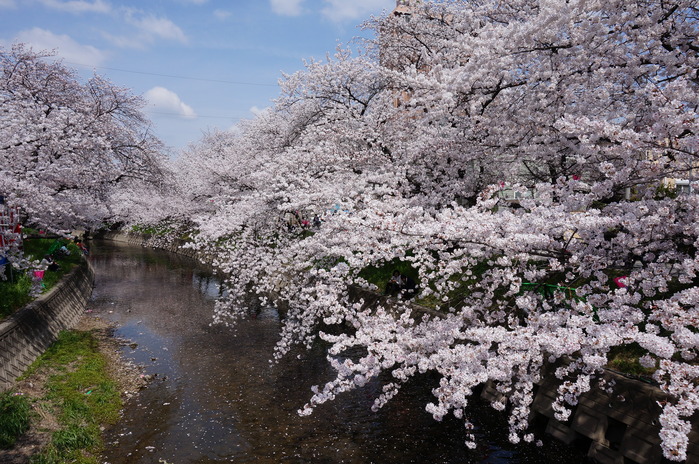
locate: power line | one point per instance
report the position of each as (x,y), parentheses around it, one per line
(197,116)
(220,81)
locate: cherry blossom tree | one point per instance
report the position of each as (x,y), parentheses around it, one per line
(66,145)
(584,107)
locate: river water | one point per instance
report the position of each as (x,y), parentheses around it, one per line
(215,398)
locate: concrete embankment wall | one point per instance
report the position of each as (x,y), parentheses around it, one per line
(616,428)
(25,335)
(172,245)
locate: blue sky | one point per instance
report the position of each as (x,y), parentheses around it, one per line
(202,64)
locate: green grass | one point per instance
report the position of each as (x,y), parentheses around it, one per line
(624,359)
(380,275)
(14,292)
(80,395)
(159,229)
(15,413)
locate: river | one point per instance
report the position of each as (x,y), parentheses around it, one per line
(215,398)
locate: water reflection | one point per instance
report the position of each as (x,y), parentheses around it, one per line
(215,398)
(207,285)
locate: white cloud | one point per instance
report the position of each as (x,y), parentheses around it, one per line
(78,6)
(222,14)
(148,30)
(341,10)
(65,46)
(126,42)
(167,100)
(159,27)
(287,7)
(258,111)
(8,4)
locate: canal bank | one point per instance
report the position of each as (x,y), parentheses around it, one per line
(75,389)
(45,348)
(158,242)
(26,334)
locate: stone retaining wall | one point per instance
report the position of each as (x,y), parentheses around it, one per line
(25,335)
(617,428)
